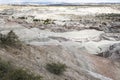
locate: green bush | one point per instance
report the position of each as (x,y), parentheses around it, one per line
(8,72)
(22,17)
(4,69)
(36,20)
(47,21)
(11,39)
(56,68)
(20,74)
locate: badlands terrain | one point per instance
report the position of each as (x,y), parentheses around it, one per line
(84,38)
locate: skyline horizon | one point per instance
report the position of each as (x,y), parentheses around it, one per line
(58,1)
(47,3)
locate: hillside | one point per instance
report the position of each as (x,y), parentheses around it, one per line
(84,40)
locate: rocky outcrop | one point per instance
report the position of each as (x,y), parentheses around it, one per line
(113,52)
(110,27)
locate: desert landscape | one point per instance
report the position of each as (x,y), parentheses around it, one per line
(86,39)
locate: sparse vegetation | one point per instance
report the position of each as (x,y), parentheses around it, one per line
(56,68)
(11,39)
(36,20)
(8,72)
(109,15)
(47,21)
(22,17)
(13,17)
(112,16)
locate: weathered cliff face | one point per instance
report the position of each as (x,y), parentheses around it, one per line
(90,49)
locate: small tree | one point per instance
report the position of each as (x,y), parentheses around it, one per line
(11,39)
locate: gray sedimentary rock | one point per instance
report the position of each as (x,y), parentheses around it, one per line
(113,52)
